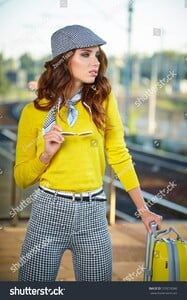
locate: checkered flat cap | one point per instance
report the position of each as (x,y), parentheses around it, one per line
(73,37)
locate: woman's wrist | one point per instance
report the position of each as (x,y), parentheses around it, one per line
(45,158)
(143,210)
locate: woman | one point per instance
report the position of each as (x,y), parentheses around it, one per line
(63,137)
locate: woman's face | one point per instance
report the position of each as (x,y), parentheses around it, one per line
(85,65)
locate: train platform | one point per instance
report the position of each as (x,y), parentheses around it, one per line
(128,241)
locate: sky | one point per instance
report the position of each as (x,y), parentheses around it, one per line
(27,25)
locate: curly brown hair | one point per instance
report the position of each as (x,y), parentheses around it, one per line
(56,81)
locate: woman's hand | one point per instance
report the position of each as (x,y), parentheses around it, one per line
(33,85)
(53,140)
(148,217)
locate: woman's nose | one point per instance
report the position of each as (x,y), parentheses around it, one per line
(95,61)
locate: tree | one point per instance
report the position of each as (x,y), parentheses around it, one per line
(4,82)
(27,63)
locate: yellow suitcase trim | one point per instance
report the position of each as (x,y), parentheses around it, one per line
(161,265)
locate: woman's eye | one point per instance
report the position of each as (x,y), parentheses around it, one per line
(85,54)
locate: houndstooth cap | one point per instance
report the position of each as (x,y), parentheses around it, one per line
(73,37)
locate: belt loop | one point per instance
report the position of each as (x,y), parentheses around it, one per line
(81,197)
(55,196)
(90,197)
(73,197)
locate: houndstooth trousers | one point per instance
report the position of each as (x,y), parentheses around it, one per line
(57,224)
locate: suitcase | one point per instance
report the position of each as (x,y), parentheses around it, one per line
(165,258)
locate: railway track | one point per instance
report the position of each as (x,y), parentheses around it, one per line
(163,179)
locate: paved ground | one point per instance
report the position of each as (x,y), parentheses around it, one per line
(128,251)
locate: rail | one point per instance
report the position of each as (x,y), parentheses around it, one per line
(160,160)
(149,198)
(110,185)
(159,153)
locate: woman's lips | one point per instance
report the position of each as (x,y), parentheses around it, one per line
(93,73)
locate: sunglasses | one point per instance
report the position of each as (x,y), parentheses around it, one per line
(68,133)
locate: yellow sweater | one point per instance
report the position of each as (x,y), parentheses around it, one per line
(79,165)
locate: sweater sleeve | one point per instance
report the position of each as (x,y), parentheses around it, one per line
(116,151)
(28,167)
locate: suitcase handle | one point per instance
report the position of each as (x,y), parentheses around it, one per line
(153,226)
(149,250)
(162,232)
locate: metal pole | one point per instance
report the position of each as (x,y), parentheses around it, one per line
(112,199)
(128,63)
(153,97)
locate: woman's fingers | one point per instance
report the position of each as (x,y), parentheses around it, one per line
(56,128)
(54,137)
(55,134)
(150,217)
(53,140)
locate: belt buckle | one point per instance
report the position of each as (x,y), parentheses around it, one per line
(81,197)
(74,196)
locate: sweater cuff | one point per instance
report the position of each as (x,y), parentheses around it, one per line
(38,166)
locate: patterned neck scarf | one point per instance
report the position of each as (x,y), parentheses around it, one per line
(72,111)
(71,117)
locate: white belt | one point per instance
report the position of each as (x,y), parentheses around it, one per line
(72,194)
